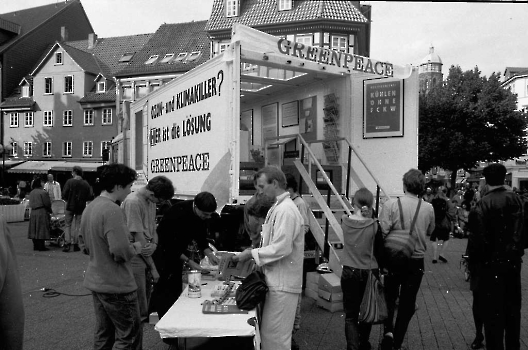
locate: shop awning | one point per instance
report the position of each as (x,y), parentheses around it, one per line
(43,167)
(68,166)
(8,163)
(33,167)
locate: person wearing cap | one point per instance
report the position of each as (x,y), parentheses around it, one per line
(181,224)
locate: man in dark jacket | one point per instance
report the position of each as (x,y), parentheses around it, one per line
(496,244)
(76,193)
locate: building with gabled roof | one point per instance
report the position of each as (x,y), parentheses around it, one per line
(25,34)
(72,93)
(342,25)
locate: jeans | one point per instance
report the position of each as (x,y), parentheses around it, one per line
(500,291)
(353,283)
(71,227)
(139,268)
(403,283)
(117,322)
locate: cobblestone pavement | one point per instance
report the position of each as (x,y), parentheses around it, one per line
(443,319)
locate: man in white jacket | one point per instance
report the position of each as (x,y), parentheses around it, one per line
(281,259)
(53,188)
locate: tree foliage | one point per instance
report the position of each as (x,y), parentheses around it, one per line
(469,119)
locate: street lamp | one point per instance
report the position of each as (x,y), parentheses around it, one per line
(3,150)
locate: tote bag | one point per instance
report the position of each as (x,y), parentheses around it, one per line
(373,307)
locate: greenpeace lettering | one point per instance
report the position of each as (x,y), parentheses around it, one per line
(184,163)
(335,58)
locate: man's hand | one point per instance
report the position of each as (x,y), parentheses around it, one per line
(155,275)
(245,255)
(148,249)
(213,259)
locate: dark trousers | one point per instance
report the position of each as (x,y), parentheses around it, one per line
(166,292)
(353,283)
(477,315)
(500,292)
(404,283)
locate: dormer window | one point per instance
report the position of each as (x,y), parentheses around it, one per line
(285,5)
(167,58)
(181,56)
(25,91)
(126,57)
(194,56)
(101,86)
(232,8)
(58,57)
(151,59)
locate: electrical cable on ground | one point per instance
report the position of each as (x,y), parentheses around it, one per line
(52,293)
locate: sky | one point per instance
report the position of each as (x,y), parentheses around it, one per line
(491,36)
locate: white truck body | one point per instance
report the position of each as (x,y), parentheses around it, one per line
(190,129)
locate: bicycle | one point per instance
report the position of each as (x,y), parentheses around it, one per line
(464,266)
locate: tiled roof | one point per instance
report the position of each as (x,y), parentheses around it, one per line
(31,18)
(108,96)
(110,50)
(257,13)
(170,38)
(17,102)
(85,60)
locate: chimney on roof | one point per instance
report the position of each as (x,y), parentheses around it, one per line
(92,39)
(64,34)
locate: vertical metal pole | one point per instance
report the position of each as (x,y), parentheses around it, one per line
(3,147)
(327,224)
(347,192)
(300,177)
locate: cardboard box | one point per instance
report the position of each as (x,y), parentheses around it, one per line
(311,293)
(312,286)
(330,296)
(312,277)
(330,282)
(329,305)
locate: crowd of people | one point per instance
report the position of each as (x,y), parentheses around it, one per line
(129,252)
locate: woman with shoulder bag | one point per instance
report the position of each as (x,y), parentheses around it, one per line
(361,238)
(403,281)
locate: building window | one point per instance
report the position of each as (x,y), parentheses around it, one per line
(68,84)
(126,57)
(285,5)
(14,152)
(167,58)
(48,118)
(13,120)
(25,91)
(101,86)
(29,120)
(46,149)
(232,8)
(48,85)
(67,149)
(141,90)
(305,39)
(67,118)
(88,117)
(151,59)
(339,43)
(107,116)
(154,86)
(127,93)
(87,148)
(28,149)
(194,56)
(181,56)
(105,145)
(58,57)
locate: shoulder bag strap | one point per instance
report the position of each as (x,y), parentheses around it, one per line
(415,216)
(401,214)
